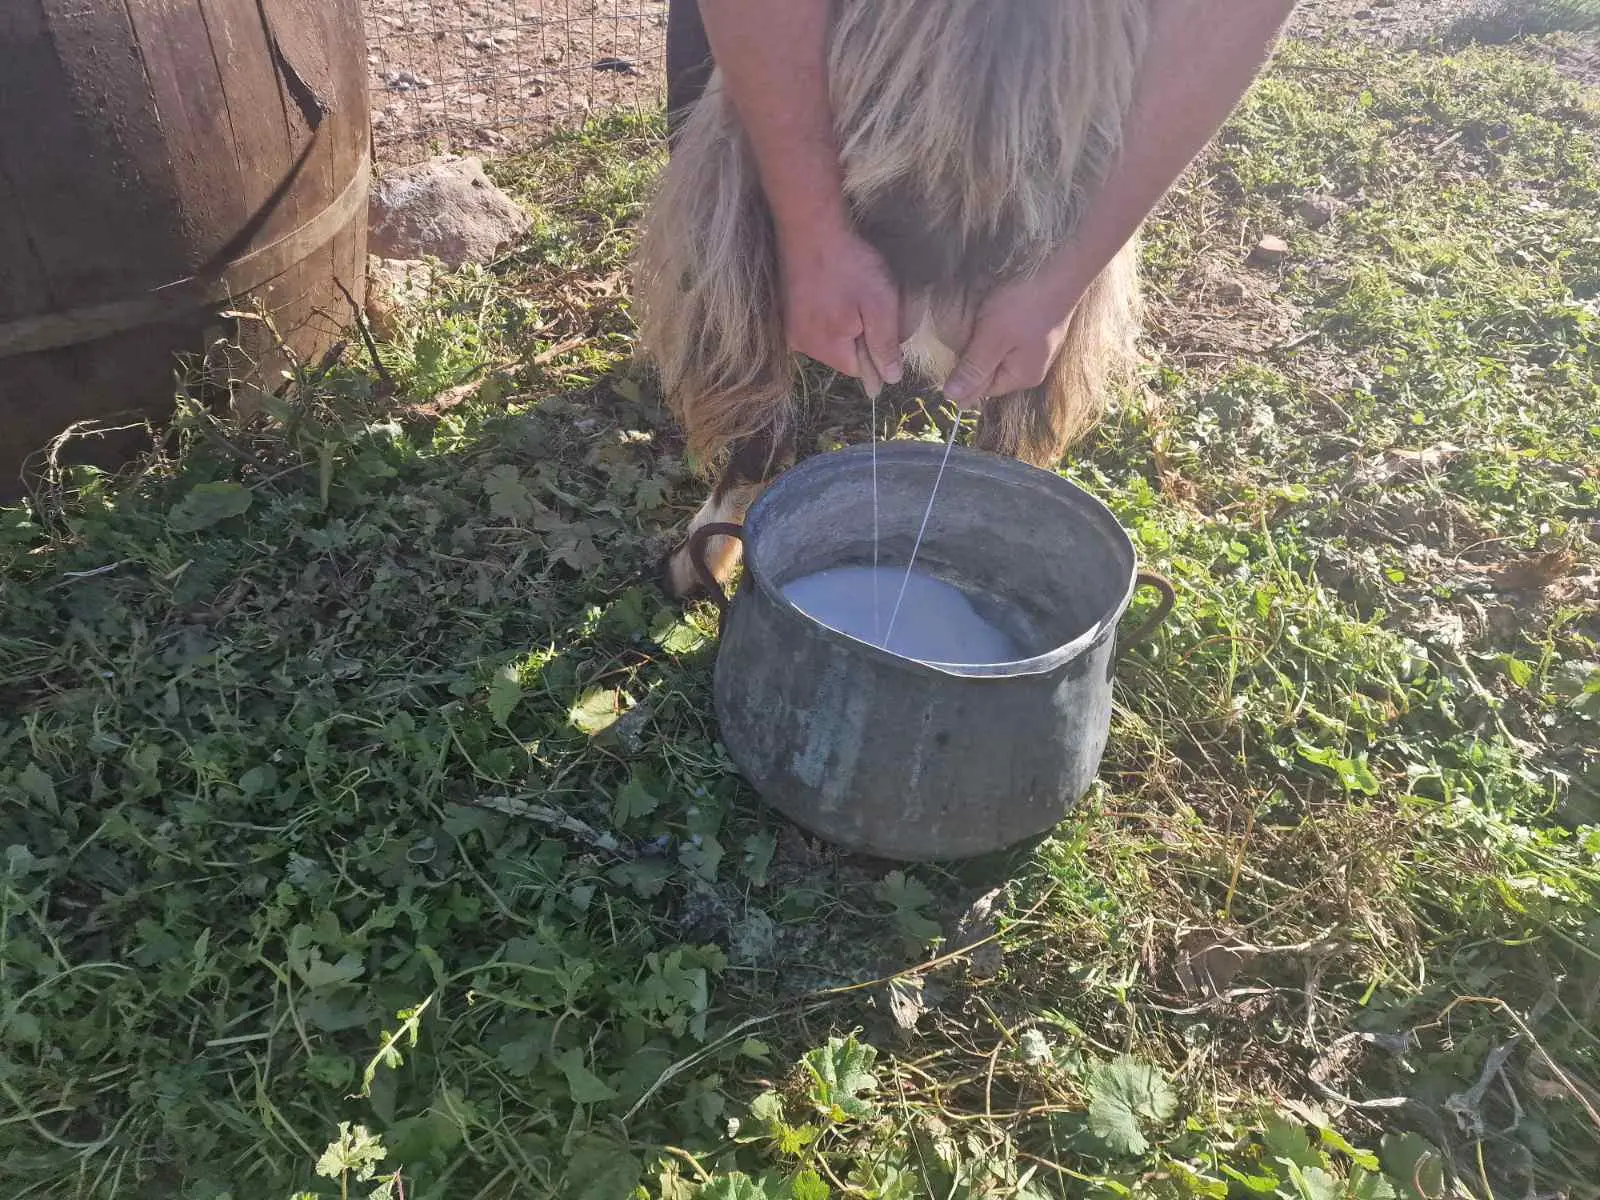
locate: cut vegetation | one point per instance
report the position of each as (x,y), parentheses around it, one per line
(364,824)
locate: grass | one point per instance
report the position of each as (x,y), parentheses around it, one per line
(366,826)
(1501,21)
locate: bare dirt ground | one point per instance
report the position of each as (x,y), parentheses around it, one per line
(483,76)
(1412,22)
(1396,21)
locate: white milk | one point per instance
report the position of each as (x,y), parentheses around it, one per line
(937,622)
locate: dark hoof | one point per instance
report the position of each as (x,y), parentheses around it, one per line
(676,575)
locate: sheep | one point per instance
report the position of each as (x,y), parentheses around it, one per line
(970,133)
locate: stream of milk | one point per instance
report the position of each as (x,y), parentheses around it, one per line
(936,622)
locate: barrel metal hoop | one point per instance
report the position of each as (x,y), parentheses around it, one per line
(92,322)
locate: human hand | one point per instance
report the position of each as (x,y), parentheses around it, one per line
(837,291)
(1018,331)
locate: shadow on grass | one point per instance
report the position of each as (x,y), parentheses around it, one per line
(1496,22)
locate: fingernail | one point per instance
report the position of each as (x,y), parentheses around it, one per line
(892,375)
(955,390)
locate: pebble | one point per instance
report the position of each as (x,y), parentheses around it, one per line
(1270,251)
(1317,211)
(405,81)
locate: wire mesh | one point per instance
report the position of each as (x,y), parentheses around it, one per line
(480,76)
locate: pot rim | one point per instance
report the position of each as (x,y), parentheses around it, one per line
(961,457)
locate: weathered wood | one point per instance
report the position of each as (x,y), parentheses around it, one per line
(212,287)
(63,71)
(162,161)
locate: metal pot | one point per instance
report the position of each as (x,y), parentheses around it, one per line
(913,760)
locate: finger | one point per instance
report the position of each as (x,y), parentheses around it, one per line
(880,323)
(973,378)
(838,353)
(1010,377)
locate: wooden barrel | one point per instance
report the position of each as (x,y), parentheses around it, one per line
(164,163)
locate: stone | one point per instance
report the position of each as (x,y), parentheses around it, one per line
(394,285)
(1270,251)
(495,42)
(445,208)
(405,81)
(1317,211)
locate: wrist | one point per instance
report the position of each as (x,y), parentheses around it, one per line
(814,220)
(806,197)
(1065,278)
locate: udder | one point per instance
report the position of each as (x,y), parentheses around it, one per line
(932,335)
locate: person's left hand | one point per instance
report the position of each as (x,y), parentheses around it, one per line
(1018,332)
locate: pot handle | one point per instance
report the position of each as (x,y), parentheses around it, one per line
(697,558)
(1169,597)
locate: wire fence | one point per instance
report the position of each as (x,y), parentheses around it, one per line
(482,76)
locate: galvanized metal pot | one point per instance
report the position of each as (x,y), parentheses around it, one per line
(911,760)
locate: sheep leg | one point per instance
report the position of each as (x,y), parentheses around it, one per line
(754,462)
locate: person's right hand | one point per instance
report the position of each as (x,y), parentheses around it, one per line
(836,290)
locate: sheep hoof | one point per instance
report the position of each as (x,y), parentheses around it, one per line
(677,575)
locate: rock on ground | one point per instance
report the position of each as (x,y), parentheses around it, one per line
(445,208)
(394,285)
(1270,251)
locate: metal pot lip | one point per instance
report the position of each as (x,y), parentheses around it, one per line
(961,458)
